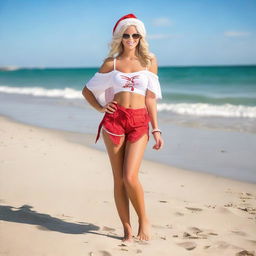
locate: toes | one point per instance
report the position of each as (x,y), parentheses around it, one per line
(143,237)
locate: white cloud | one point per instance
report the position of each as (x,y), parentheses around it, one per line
(162,22)
(161,36)
(236,33)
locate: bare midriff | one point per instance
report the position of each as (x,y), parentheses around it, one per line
(130,100)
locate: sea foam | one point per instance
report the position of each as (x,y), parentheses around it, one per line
(197,109)
(204,109)
(67,93)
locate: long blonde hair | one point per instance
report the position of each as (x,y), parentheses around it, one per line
(142,49)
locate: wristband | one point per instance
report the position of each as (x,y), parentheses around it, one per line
(156,130)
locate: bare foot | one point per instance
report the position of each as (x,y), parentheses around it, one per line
(127,233)
(144,230)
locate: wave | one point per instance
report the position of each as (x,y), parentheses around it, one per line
(10,68)
(67,93)
(197,109)
(204,109)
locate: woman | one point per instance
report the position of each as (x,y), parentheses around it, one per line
(125,89)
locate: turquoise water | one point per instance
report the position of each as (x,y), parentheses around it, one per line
(224,91)
(216,85)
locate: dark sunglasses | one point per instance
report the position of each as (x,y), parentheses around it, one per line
(134,36)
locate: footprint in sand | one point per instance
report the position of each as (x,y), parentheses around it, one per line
(248,209)
(245,207)
(187,235)
(210,206)
(229,205)
(179,214)
(125,246)
(194,209)
(194,236)
(198,233)
(195,230)
(105,253)
(246,195)
(100,253)
(212,234)
(188,245)
(162,201)
(245,253)
(169,226)
(142,242)
(238,232)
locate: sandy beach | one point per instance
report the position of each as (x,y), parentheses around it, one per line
(56,198)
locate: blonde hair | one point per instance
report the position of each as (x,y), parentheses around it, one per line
(142,49)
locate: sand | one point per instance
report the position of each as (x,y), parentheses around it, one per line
(56,198)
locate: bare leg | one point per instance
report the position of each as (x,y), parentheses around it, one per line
(133,156)
(116,157)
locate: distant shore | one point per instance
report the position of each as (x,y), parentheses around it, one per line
(11,68)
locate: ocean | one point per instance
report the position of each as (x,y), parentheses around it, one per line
(217,101)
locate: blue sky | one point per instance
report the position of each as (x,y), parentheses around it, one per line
(62,33)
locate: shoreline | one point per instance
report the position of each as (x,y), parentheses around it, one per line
(222,149)
(54,193)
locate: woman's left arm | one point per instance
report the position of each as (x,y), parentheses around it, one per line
(152,109)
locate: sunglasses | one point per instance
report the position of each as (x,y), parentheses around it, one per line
(134,36)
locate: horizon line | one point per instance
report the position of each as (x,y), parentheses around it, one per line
(9,68)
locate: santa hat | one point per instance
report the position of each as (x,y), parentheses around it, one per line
(129,19)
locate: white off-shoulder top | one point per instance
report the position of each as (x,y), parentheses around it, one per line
(105,85)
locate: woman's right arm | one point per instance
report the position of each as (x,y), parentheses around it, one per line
(88,95)
(106,67)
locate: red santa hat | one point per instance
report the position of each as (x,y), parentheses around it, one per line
(130,19)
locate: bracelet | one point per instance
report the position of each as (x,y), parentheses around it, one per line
(156,130)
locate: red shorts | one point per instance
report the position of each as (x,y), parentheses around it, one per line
(128,122)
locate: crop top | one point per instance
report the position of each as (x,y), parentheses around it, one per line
(105,85)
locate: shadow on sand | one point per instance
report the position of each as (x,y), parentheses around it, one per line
(24,214)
